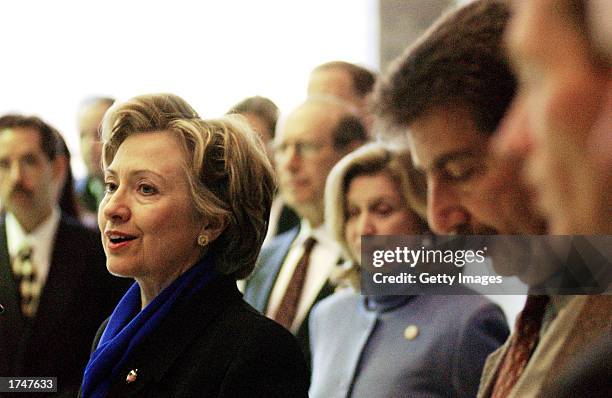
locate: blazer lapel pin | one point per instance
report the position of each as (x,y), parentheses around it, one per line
(131,377)
(411,332)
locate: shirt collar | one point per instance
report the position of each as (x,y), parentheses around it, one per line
(41,235)
(558,302)
(321,234)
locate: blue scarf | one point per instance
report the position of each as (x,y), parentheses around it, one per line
(129,326)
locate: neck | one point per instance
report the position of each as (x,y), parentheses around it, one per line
(29,221)
(313,214)
(152,285)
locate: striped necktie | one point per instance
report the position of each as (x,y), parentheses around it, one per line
(26,281)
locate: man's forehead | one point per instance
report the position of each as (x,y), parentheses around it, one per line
(334,81)
(25,136)
(309,122)
(444,135)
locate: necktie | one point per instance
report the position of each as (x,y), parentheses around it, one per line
(25,279)
(288,307)
(524,341)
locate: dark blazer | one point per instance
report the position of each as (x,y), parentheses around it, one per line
(78,295)
(87,198)
(287,220)
(214,345)
(259,286)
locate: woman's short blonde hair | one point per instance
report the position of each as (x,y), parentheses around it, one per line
(230,178)
(372,159)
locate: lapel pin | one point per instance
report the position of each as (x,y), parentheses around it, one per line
(411,332)
(131,377)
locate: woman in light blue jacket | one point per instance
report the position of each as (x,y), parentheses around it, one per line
(392,346)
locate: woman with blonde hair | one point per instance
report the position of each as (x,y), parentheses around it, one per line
(185,214)
(392,346)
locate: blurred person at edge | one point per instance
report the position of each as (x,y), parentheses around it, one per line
(349,82)
(561,117)
(90,189)
(184,214)
(262,115)
(44,330)
(561,127)
(359,344)
(447,94)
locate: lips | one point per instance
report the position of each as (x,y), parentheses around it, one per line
(297,182)
(117,240)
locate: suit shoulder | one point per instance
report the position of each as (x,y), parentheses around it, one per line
(336,303)
(270,348)
(279,241)
(82,233)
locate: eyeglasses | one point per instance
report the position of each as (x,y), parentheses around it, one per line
(301,148)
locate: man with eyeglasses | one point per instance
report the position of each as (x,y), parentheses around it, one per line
(292,271)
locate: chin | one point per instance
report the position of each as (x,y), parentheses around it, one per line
(117,269)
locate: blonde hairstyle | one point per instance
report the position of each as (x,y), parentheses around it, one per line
(230,178)
(371,159)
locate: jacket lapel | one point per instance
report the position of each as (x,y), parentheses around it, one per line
(59,287)
(260,285)
(583,320)
(157,354)
(489,372)
(12,326)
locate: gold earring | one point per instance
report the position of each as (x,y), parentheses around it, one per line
(202,240)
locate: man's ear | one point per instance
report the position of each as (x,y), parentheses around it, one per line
(60,167)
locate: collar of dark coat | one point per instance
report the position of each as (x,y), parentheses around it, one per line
(190,317)
(59,287)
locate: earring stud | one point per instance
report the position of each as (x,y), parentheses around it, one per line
(202,240)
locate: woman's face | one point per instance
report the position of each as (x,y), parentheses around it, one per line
(374,206)
(148,221)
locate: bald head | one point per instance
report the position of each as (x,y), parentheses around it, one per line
(310,141)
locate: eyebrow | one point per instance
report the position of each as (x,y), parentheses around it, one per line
(136,173)
(454,156)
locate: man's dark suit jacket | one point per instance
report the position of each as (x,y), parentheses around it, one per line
(214,345)
(260,284)
(79,294)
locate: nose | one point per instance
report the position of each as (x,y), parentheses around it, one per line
(115,207)
(366,225)
(291,159)
(444,211)
(17,174)
(514,138)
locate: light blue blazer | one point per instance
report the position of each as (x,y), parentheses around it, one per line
(402,346)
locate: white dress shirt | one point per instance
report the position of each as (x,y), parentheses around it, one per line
(41,240)
(323,258)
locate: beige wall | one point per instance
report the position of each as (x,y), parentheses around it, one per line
(403,21)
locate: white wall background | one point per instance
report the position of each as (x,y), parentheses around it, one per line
(212,53)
